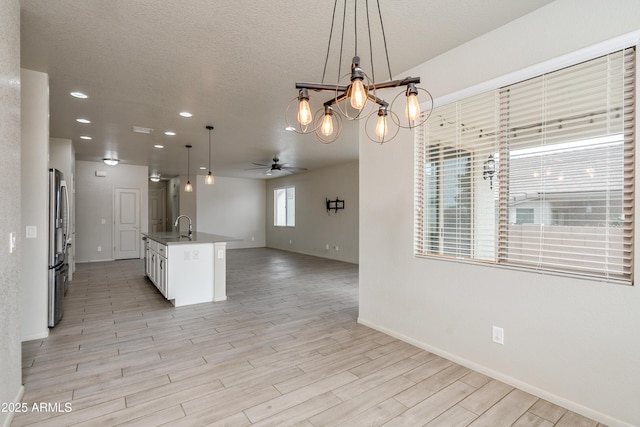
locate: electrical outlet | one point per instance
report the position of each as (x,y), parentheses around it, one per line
(497,335)
(99,248)
(220,254)
(196,254)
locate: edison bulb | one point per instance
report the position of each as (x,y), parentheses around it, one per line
(209,178)
(412,111)
(358,94)
(304,112)
(327,124)
(188,187)
(381,126)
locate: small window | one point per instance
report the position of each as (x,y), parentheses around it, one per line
(524,216)
(284,206)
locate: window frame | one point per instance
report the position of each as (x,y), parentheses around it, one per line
(289,207)
(602,49)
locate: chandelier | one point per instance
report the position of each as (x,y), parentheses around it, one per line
(355,94)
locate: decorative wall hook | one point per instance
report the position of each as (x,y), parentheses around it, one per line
(334,205)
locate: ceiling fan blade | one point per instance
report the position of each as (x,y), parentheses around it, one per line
(258,168)
(259,164)
(293,168)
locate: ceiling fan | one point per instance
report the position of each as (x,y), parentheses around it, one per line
(276,166)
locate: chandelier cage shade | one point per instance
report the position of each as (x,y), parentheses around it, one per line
(209,178)
(355,95)
(188,187)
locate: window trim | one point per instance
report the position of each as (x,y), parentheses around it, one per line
(551,65)
(275,207)
(600,49)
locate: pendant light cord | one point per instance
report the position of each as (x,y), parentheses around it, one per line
(384,39)
(209,150)
(326,59)
(373,70)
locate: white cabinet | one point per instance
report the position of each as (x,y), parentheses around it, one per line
(161,275)
(190,278)
(183,273)
(156,265)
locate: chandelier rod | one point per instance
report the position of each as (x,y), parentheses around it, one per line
(341,88)
(355,25)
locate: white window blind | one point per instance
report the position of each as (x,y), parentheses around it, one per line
(561,196)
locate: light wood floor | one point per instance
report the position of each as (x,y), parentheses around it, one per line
(285,349)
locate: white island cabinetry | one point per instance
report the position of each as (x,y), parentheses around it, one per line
(187,271)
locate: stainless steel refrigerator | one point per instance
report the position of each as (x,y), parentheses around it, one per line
(58,243)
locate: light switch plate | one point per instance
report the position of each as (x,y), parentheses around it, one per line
(31,232)
(12,242)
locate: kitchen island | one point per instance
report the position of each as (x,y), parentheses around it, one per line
(187,269)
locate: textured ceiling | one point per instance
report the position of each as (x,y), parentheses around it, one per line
(233,64)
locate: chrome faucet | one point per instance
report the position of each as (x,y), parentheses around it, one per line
(178,220)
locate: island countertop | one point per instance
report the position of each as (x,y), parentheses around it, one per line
(171,238)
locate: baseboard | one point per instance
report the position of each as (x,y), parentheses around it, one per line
(531,389)
(18,399)
(220,299)
(38,336)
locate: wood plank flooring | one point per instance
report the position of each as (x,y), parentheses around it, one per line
(284,349)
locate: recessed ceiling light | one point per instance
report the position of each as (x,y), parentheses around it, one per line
(79,95)
(290,128)
(85,137)
(83,121)
(202,168)
(185,114)
(170,133)
(158,146)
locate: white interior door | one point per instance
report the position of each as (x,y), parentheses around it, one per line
(126,223)
(157,209)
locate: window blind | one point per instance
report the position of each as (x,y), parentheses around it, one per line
(539,174)
(568,145)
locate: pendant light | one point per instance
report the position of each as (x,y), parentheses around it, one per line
(209,178)
(359,96)
(188,187)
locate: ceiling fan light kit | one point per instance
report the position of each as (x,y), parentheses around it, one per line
(357,98)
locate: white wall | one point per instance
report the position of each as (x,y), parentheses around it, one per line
(35,204)
(315,228)
(10,282)
(574,342)
(233,207)
(94,203)
(62,156)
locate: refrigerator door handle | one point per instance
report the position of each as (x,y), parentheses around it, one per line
(63,186)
